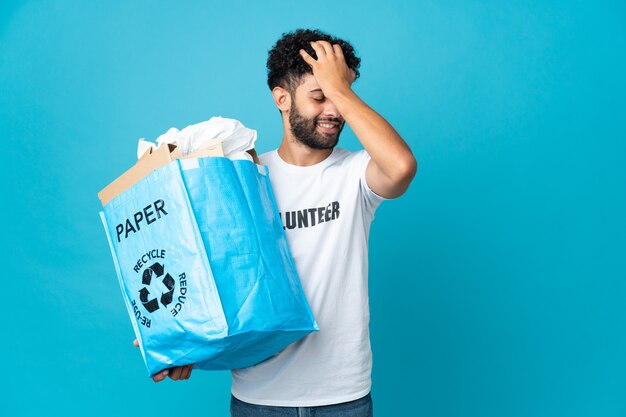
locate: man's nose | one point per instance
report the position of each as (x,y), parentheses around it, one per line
(330,110)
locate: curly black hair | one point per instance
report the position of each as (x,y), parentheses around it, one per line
(285,66)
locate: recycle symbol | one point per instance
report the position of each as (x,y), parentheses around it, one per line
(156,271)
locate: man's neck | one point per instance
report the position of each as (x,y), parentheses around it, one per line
(296,153)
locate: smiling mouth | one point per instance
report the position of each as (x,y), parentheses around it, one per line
(328,125)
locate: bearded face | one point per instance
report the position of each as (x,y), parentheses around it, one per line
(315,132)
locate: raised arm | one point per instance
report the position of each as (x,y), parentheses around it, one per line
(393,165)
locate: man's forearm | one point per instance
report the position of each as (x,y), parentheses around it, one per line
(386,147)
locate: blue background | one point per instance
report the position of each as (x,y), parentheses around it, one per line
(497,283)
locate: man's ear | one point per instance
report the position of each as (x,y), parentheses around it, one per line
(282,98)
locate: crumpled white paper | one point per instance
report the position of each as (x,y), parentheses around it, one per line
(235,137)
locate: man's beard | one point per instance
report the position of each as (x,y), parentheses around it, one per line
(305,130)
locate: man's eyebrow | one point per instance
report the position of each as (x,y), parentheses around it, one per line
(316,90)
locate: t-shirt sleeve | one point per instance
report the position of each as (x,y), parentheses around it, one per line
(371,200)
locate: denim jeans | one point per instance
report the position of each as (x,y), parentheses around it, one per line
(357,408)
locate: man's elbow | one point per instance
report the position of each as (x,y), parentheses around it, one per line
(405,170)
(403,175)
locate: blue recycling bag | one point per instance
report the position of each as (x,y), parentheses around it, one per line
(204,267)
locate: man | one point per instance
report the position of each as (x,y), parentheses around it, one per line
(327,197)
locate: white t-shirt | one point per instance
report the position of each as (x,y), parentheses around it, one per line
(326,211)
